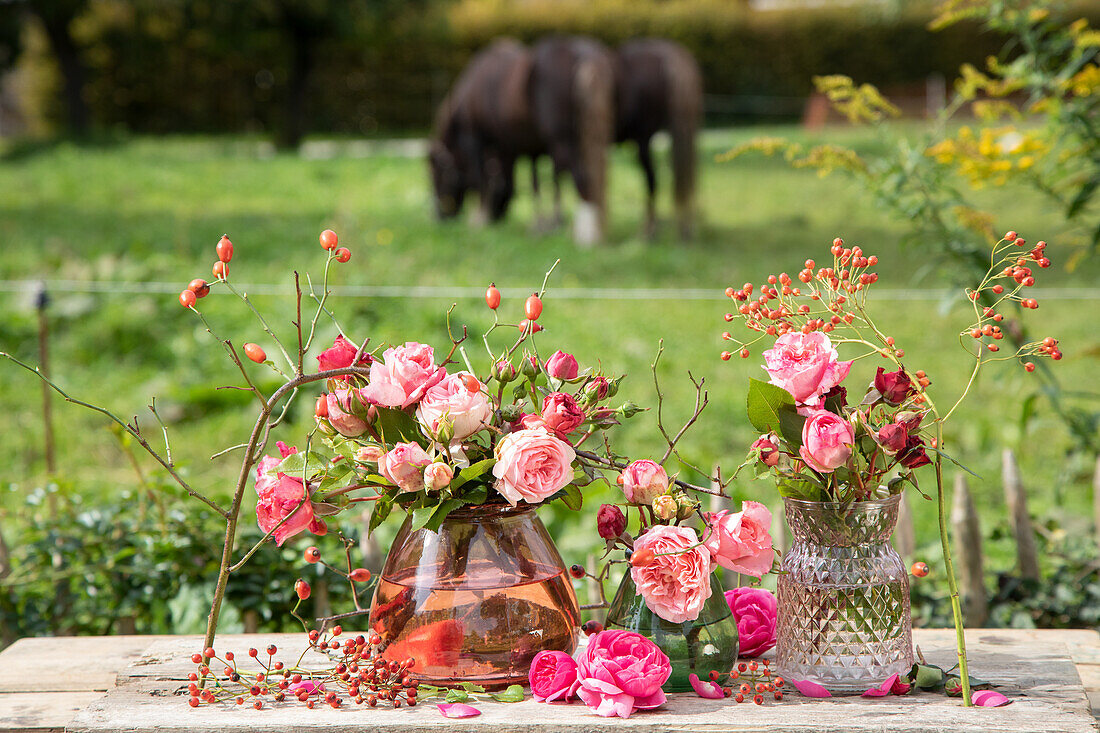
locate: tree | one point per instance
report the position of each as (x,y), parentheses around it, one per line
(56,17)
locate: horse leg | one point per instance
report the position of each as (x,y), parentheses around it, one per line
(540,225)
(645,160)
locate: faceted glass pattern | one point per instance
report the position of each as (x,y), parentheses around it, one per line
(844,616)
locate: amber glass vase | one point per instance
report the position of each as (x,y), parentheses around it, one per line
(475,601)
(844,616)
(699,646)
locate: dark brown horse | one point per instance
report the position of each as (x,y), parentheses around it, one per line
(509,103)
(658,86)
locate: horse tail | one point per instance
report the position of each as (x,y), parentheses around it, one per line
(685,111)
(594,106)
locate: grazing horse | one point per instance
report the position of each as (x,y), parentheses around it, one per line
(482,126)
(658,86)
(556,100)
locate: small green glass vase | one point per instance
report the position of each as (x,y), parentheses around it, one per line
(707,643)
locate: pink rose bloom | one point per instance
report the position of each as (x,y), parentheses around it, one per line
(553,676)
(675,583)
(826,441)
(339,355)
(741,542)
(438,475)
(340,415)
(562,365)
(403,465)
(755,611)
(643,481)
(805,364)
(451,404)
(403,376)
(370,454)
(278,496)
(620,672)
(561,414)
(531,465)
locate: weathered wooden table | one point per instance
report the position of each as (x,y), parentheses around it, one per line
(138,683)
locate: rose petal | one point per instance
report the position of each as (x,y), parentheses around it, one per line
(989,699)
(810,689)
(457,710)
(884,689)
(709,690)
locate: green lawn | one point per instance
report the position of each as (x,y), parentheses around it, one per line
(151,210)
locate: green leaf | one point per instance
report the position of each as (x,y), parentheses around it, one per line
(422,515)
(381,510)
(928,677)
(772,409)
(475,470)
(514,693)
(457,696)
(472,687)
(435,514)
(476,495)
(398,426)
(799,489)
(572,497)
(944,455)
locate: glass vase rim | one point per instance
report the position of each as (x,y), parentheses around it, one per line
(864,505)
(503,509)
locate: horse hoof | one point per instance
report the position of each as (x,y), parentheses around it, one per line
(586,225)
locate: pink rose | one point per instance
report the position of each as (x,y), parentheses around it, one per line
(453,409)
(769,449)
(561,414)
(643,481)
(403,464)
(741,542)
(531,465)
(561,365)
(755,611)
(339,355)
(826,441)
(620,672)
(553,676)
(438,475)
(805,364)
(340,415)
(675,581)
(279,496)
(370,454)
(403,376)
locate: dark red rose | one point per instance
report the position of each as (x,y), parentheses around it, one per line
(893,438)
(561,414)
(914,455)
(894,387)
(836,399)
(610,521)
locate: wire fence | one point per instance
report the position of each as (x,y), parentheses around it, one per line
(457,292)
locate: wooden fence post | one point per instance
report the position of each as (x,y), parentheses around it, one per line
(905,537)
(1027,557)
(968,544)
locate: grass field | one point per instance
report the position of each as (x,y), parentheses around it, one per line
(148,211)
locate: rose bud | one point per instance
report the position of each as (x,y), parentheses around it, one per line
(665,507)
(610,521)
(768,446)
(370,453)
(510,413)
(561,414)
(894,387)
(629,409)
(530,367)
(438,476)
(643,481)
(597,389)
(685,506)
(504,372)
(893,438)
(561,365)
(914,455)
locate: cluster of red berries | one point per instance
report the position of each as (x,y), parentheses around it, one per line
(198,288)
(1013,266)
(831,286)
(358,671)
(532,308)
(754,680)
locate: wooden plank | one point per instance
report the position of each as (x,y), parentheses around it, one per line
(68,663)
(1032,668)
(42,712)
